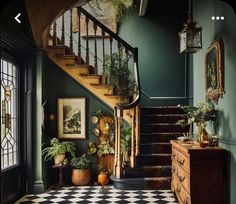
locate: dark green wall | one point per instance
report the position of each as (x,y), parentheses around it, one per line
(58,84)
(161,67)
(226,30)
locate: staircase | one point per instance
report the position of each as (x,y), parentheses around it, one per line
(78,56)
(153,165)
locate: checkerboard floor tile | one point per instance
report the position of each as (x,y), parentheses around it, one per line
(92,195)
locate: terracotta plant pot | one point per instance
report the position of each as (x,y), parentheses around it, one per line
(58,159)
(81,177)
(103,178)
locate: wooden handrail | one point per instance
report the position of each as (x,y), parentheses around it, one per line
(106,29)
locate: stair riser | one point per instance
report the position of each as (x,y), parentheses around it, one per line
(151,111)
(154,160)
(67,61)
(92,81)
(143,184)
(158,185)
(158,138)
(159,119)
(155,148)
(161,171)
(162,128)
(56,51)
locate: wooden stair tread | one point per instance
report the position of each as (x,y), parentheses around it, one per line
(91,75)
(158,178)
(153,154)
(56,47)
(156,143)
(61,56)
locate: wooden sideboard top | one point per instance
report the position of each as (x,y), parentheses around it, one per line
(193,148)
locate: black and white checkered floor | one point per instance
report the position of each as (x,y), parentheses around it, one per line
(91,194)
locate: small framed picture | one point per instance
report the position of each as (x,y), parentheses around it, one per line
(71,118)
(214,71)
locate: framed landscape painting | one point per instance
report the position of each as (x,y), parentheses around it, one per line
(71,118)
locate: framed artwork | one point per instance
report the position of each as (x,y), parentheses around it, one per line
(71,118)
(214,71)
(106,15)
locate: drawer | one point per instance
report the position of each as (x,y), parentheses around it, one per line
(181,159)
(183,178)
(182,195)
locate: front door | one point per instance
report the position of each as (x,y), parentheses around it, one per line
(12,177)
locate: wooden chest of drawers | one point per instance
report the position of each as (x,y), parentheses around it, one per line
(199,175)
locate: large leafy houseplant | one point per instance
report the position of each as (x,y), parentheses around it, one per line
(58,148)
(118,73)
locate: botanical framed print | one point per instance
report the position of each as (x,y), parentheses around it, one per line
(71,118)
(214,71)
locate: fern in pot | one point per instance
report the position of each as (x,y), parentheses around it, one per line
(81,172)
(57,151)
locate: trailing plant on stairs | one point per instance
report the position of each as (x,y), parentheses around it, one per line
(121,7)
(120,78)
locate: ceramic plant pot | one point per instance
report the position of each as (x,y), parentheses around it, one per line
(81,177)
(58,159)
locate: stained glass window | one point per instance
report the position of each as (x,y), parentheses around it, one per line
(9,114)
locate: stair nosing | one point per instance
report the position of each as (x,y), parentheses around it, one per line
(156,143)
(153,154)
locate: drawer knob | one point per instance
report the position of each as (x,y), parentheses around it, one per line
(181,178)
(178,189)
(180,161)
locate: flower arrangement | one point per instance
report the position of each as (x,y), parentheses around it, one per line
(200,114)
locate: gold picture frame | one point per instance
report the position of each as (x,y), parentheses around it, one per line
(71,118)
(214,71)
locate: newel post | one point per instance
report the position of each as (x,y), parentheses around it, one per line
(117,163)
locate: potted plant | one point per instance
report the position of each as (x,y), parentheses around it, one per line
(119,75)
(57,150)
(81,173)
(126,133)
(105,148)
(199,115)
(104,175)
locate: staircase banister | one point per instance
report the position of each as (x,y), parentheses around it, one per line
(137,99)
(107,30)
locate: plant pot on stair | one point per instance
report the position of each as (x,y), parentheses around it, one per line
(81,173)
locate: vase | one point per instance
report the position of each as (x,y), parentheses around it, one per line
(202,133)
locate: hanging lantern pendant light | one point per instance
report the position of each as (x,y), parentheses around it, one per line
(191,36)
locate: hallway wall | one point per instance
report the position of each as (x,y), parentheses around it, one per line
(227,31)
(161,67)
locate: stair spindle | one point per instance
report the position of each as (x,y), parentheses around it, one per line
(104,81)
(79,60)
(71,34)
(54,39)
(63,30)
(111,39)
(133,145)
(95,49)
(137,131)
(87,40)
